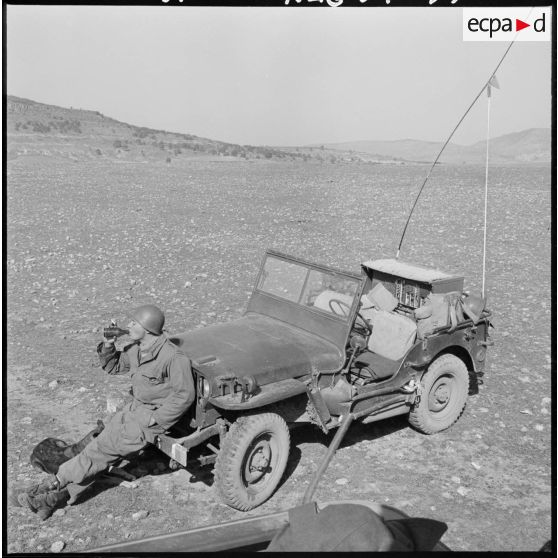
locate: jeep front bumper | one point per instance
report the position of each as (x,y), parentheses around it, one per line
(177,448)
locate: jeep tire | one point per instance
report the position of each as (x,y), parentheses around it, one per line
(445,388)
(252,460)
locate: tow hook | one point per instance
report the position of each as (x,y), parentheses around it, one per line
(414,390)
(411,387)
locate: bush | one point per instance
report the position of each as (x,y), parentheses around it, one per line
(40,127)
(67,126)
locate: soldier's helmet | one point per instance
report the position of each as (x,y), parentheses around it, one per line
(150,318)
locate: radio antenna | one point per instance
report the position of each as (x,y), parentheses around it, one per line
(488,83)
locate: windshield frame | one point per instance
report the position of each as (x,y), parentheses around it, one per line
(303,286)
(327,325)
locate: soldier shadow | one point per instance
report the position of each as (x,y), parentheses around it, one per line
(99,485)
(150,463)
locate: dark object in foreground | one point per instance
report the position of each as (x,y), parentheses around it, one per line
(354,527)
(49,454)
(377,525)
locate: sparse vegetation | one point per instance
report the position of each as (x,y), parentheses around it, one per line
(56,125)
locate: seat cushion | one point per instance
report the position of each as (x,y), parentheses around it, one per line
(392,334)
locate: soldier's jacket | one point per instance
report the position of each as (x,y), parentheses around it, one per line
(161,379)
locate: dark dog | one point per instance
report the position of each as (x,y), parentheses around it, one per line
(49,454)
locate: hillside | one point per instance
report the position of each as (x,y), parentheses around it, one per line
(40,129)
(527,146)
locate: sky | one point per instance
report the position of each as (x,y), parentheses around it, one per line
(277,76)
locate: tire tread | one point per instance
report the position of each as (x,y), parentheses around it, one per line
(418,417)
(242,431)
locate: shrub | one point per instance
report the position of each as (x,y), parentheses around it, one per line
(40,127)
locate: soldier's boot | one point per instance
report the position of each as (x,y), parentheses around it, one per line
(46,503)
(46,485)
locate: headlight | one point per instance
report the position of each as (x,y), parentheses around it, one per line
(205,389)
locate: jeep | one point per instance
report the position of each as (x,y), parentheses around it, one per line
(324,346)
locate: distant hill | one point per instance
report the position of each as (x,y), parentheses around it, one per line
(35,128)
(527,146)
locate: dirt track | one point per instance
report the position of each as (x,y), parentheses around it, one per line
(87,241)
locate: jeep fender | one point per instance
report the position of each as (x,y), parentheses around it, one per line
(427,350)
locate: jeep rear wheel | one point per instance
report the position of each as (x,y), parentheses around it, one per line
(445,388)
(252,460)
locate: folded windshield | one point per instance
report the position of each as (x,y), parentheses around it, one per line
(321,290)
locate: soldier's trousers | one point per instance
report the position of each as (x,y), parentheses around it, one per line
(126,433)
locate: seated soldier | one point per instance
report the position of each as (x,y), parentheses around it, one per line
(162,391)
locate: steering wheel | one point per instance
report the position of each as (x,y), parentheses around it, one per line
(362,328)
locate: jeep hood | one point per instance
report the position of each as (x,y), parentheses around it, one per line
(256,345)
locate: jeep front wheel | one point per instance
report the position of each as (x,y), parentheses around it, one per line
(252,460)
(445,388)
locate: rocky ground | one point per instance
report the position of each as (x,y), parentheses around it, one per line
(88,241)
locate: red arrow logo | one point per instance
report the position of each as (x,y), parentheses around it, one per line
(519,25)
